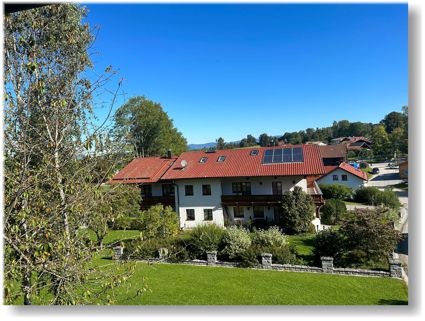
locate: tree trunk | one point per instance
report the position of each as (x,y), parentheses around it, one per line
(26,286)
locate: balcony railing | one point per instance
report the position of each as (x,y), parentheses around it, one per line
(148,201)
(249,200)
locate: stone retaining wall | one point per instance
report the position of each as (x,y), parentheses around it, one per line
(266,263)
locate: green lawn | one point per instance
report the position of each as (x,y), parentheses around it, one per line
(303,243)
(174,284)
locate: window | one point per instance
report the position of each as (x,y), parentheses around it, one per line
(344,177)
(188,190)
(238,212)
(167,190)
(208,216)
(206,189)
(254,152)
(335,177)
(243,188)
(146,190)
(203,160)
(258,212)
(277,188)
(221,159)
(190,214)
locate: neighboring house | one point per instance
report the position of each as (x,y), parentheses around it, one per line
(344,174)
(353,143)
(237,185)
(403,170)
(333,155)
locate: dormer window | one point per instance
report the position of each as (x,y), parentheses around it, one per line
(254,152)
(203,160)
(221,159)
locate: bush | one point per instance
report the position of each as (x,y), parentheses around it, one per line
(143,249)
(178,251)
(333,211)
(284,254)
(328,243)
(336,191)
(159,222)
(248,258)
(311,229)
(374,196)
(126,223)
(269,238)
(236,241)
(205,238)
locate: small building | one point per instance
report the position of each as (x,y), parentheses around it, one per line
(344,174)
(333,155)
(403,170)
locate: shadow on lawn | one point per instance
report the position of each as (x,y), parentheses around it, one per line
(392,302)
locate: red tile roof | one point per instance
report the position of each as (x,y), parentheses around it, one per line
(143,170)
(239,163)
(348,168)
(333,151)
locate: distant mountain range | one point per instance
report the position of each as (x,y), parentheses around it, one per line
(200,146)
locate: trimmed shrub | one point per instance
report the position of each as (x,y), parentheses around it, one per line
(272,237)
(328,243)
(178,251)
(374,196)
(248,258)
(336,191)
(143,249)
(203,238)
(311,229)
(333,211)
(236,241)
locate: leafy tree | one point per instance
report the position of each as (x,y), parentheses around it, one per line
(394,120)
(142,124)
(381,143)
(110,205)
(264,140)
(220,143)
(46,130)
(251,140)
(159,222)
(297,211)
(369,235)
(333,211)
(328,243)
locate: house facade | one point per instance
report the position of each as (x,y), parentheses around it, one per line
(227,186)
(344,174)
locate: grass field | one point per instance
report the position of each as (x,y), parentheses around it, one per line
(174,284)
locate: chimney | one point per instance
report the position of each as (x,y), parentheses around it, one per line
(169,154)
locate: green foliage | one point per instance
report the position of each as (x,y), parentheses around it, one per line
(374,196)
(333,211)
(206,237)
(271,237)
(159,222)
(328,243)
(336,191)
(142,249)
(297,211)
(236,241)
(370,235)
(143,125)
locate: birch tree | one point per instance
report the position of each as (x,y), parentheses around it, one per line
(48,158)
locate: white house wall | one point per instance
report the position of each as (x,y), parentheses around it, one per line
(352,181)
(199,202)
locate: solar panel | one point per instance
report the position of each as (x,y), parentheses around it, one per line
(283,155)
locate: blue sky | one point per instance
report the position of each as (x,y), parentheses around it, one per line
(233,70)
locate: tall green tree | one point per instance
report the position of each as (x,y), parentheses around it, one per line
(380,140)
(46,132)
(297,211)
(220,143)
(394,120)
(146,127)
(264,140)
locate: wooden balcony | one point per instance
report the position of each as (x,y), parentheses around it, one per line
(250,200)
(261,200)
(148,201)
